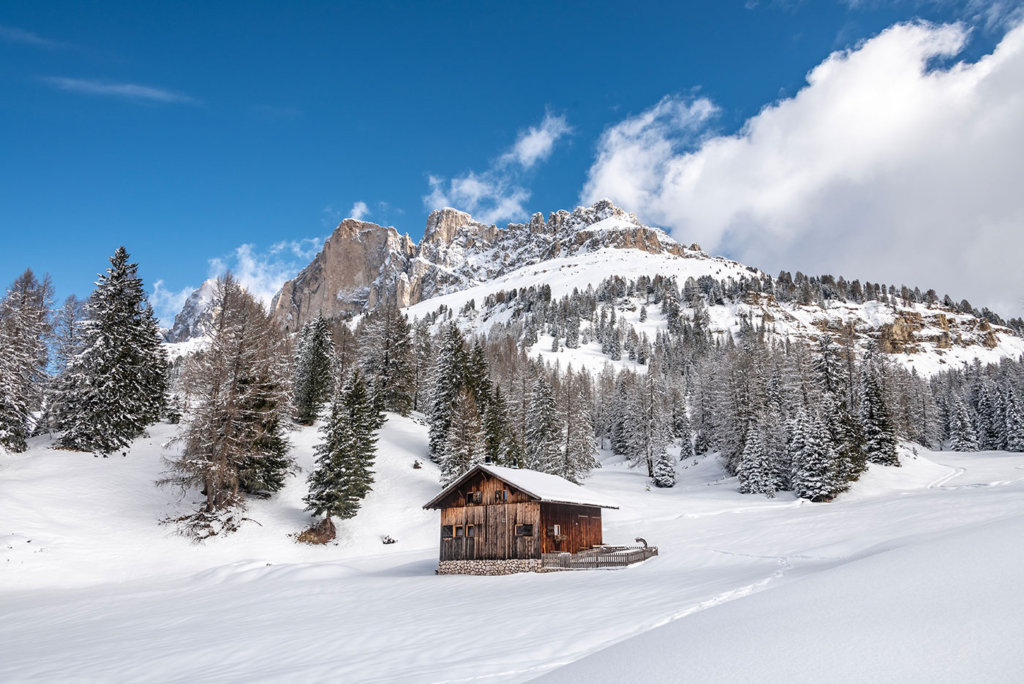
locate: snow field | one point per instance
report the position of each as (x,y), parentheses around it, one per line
(117,597)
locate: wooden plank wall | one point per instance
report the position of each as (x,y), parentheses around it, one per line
(580,524)
(495,532)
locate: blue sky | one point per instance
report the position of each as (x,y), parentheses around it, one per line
(187,130)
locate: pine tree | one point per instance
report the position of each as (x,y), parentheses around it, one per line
(543,429)
(815,472)
(579,449)
(387,359)
(757,472)
(962,436)
(464,446)
(1014,421)
(238,399)
(342,475)
(423,364)
(498,436)
(648,428)
(664,469)
(879,434)
(449,378)
(25,329)
(116,383)
(314,380)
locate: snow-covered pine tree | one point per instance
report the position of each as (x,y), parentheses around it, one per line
(991,426)
(342,475)
(238,399)
(449,378)
(877,427)
(501,447)
(386,356)
(423,363)
(543,429)
(116,383)
(579,448)
(962,436)
(648,422)
(664,469)
(25,330)
(464,446)
(757,471)
(1014,420)
(815,473)
(314,381)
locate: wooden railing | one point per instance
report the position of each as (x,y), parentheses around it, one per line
(597,558)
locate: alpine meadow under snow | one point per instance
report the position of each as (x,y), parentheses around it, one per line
(573,449)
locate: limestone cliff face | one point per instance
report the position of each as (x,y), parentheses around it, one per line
(363,263)
(358,261)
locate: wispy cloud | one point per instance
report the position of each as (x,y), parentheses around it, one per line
(11,34)
(497,194)
(167,303)
(129,91)
(263,273)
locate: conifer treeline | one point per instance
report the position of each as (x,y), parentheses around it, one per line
(94,372)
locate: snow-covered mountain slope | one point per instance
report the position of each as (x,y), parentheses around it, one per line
(196,315)
(928,337)
(92,588)
(460,260)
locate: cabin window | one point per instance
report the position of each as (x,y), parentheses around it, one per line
(470,530)
(524,530)
(554,530)
(474,498)
(501,495)
(460,531)
(446,532)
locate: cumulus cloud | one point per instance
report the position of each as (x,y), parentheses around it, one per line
(129,91)
(536,143)
(497,194)
(892,164)
(359,211)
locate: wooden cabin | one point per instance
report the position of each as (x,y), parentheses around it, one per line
(493,513)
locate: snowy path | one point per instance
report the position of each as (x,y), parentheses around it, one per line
(115,597)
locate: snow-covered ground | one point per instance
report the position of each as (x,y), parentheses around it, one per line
(912,576)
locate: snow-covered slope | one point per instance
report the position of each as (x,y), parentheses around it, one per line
(92,588)
(460,260)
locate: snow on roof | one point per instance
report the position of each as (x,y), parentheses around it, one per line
(539,485)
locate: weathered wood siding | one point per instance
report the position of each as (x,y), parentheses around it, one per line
(495,527)
(581,526)
(486,484)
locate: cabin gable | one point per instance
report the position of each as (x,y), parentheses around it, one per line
(492,490)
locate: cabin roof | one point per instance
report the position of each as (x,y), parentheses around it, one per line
(541,486)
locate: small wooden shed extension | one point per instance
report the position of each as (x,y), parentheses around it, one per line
(497,513)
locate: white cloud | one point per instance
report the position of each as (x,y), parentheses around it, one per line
(167,303)
(130,91)
(497,194)
(11,34)
(536,143)
(359,211)
(263,274)
(881,168)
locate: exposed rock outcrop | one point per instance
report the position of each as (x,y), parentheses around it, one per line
(363,263)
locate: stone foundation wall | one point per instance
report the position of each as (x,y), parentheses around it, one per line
(488,567)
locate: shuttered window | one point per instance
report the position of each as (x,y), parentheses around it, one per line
(474,498)
(524,530)
(446,531)
(501,495)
